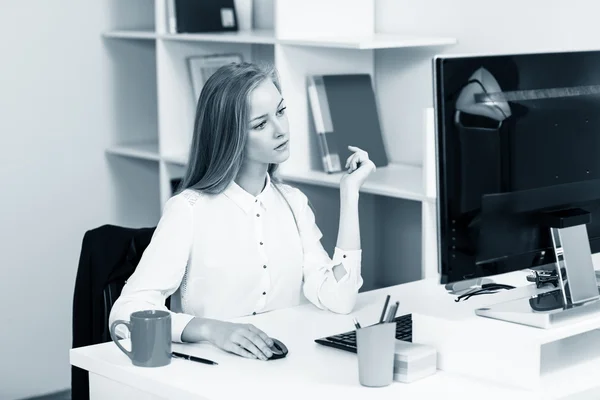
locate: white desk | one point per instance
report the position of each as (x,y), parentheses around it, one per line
(309,371)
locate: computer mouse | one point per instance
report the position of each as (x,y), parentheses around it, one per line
(279,349)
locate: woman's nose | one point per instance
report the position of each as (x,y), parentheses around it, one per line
(279,128)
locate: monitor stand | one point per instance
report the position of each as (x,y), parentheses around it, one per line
(461,287)
(578,297)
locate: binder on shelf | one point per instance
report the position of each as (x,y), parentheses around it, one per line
(345,114)
(202,67)
(197,16)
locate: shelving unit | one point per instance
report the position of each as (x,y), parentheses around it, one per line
(330,43)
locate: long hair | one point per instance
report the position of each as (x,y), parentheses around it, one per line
(221,126)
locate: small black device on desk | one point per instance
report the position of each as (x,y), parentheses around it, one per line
(347,340)
(279,349)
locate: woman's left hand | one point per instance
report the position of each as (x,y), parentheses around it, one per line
(359,167)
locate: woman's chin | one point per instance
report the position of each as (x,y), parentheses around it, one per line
(281,156)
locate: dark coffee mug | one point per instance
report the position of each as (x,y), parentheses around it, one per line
(150,338)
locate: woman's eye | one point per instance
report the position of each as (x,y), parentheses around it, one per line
(281,111)
(261,125)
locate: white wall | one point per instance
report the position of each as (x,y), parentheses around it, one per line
(480,26)
(54,124)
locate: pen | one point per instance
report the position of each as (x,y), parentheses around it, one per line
(387,300)
(392,313)
(192,358)
(356,324)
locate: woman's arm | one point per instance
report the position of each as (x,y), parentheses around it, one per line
(349,228)
(161,268)
(159,274)
(334,283)
(359,167)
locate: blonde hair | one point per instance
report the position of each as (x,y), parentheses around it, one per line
(221,126)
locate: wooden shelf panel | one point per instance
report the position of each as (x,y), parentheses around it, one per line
(375,41)
(147,150)
(126,34)
(266,36)
(255,36)
(179,159)
(394,180)
(140,150)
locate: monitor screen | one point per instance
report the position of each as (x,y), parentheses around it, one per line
(526,126)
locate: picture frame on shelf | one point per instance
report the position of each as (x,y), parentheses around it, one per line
(201,67)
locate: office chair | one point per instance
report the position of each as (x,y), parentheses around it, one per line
(109,255)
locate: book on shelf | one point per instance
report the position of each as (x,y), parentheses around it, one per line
(198,16)
(202,67)
(345,114)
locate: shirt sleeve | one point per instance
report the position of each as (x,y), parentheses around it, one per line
(320,285)
(160,270)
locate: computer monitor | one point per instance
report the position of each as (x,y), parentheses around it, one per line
(518,145)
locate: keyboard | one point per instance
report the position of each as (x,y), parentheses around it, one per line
(347,340)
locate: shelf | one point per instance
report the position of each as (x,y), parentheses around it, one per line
(375,41)
(267,36)
(395,180)
(254,36)
(180,159)
(139,150)
(125,34)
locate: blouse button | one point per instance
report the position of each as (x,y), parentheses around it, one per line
(261,243)
(258,215)
(264,266)
(264,293)
(344,256)
(254,313)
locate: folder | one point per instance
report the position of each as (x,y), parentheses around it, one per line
(345,114)
(197,16)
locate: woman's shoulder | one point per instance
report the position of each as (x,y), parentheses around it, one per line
(192,196)
(185,198)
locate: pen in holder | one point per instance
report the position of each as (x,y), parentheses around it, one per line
(375,347)
(392,312)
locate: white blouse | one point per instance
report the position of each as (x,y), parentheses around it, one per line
(233,254)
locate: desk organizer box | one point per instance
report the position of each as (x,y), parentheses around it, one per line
(413,361)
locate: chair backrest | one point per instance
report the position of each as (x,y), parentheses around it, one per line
(109,255)
(118,278)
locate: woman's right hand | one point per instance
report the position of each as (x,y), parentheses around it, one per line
(245,340)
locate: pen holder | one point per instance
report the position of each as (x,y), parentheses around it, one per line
(375,347)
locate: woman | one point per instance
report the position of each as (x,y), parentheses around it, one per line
(234,241)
